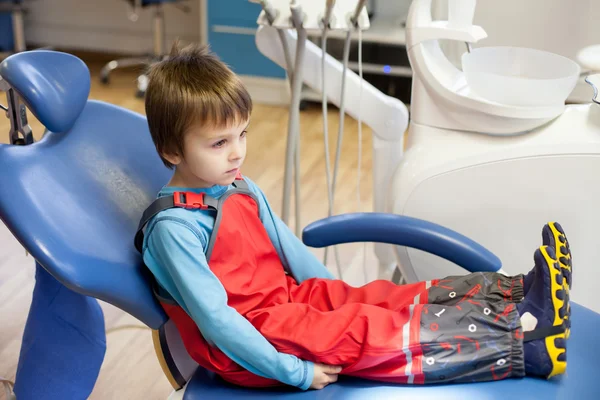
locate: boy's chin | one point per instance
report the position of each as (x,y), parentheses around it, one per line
(226,181)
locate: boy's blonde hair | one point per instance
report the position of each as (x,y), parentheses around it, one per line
(192,86)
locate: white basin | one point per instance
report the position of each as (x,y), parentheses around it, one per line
(520,76)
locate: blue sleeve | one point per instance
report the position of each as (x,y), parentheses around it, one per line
(176,247)
(294,254)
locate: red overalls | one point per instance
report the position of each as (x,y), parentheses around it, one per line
(380,331)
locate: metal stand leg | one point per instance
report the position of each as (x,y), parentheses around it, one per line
(158,40)
(18,29)
(122,63)
(159,32)
(158,52)
(64,343)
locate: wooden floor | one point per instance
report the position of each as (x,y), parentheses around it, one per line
(130,369)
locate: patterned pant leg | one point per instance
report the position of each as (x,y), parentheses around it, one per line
(471,342)
(418,344)
(475,288)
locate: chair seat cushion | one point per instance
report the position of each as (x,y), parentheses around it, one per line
(580,382)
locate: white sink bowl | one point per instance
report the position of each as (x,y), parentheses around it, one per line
(520,76)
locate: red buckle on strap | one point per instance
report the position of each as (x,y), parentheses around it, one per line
(189,200)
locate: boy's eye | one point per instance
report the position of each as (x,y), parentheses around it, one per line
(243,134)
(220,143)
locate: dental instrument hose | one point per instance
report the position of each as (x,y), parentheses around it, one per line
(271,15)
(346,56)
(355,25)
(360,77)
(339,138)
(330,189)
(292,148)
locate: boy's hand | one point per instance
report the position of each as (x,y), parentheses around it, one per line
(324,375)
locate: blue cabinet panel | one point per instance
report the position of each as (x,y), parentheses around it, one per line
(239,51)
(6,32)
(240,13)
(238,48)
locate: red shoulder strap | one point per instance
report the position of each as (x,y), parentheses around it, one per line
(189,200)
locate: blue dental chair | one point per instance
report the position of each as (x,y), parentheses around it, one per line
(74,200)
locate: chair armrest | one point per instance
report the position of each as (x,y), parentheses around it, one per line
(402,231)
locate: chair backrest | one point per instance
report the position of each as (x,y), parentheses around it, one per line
(74,198)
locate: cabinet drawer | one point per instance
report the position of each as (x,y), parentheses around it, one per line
(239,51)
(240,13)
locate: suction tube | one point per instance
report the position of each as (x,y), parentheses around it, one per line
(326,20)
(271,14)
(294,133)
(340,138)
(346,56)
(293,142)
(358,199)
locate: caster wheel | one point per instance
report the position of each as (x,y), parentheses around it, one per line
(142,85)
(303,105)
(104,79)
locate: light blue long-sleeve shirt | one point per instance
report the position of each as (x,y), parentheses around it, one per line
(175,244)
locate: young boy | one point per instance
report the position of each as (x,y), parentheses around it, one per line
(253,304)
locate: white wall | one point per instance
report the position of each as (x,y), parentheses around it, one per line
(102,25)
(559,26)
(390,8)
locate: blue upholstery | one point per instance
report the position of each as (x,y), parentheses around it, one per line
(55,86)
(74,200)
(403,231)
(104,166)
(580,382)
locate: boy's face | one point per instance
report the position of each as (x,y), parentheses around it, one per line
(211,156)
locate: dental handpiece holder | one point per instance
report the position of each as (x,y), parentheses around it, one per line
(499,91)
(342,16)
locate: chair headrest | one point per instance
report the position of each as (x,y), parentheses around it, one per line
(55,86)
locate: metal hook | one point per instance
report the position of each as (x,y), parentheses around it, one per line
(354,18)
(20,132)
(594,99)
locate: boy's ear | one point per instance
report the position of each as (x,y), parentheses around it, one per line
(174,159)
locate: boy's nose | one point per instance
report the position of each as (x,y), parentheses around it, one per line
(236,153)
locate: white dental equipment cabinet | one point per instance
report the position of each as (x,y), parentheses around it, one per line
(491,170)
(492,166)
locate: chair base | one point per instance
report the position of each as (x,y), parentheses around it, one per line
(158,53)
